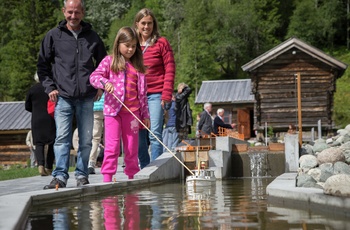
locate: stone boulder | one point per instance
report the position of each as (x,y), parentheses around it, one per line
(342,132)
(330,155)
(306,181)
(307,148)
(346,138)
(307,162)
(319,146)
(347,128)
(345,146)
(341,168)
(337,185)
(315,173)
(347,156)
(327,170)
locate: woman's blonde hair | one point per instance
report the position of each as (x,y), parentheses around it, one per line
(155,32)
(127,34)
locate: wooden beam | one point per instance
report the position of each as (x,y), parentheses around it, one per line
(299,110)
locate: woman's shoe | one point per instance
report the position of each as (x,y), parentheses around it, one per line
(48,171)
(42,171)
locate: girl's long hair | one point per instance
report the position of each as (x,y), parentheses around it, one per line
(155,32)
(127,34)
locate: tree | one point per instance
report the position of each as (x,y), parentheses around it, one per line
(317,22)
(102,13)
(19,55)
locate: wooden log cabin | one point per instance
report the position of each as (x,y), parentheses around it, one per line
(14,126)
(274,85)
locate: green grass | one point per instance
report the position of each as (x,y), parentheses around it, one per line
(17,171)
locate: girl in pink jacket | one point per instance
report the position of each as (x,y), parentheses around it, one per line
(123,75)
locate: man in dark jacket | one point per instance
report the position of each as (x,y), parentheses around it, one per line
(205,124)
(68,55)
(219,121)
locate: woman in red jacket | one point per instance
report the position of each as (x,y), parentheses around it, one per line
(159,60)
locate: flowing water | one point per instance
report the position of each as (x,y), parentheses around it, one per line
(229,204)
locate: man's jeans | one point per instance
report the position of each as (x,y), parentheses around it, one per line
(156,113)
(64,112)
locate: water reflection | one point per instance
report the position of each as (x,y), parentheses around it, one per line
(121,211)
(229,204)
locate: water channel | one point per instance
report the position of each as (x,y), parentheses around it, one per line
(229,204)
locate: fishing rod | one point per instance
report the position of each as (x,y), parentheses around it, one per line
(149,130)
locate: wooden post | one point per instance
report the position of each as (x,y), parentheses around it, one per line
(299,110)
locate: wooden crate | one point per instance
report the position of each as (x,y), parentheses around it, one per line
(190,156)
(276,146)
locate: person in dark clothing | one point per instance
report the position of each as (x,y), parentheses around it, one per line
(43,127)
(68,55)
(205,124)
(170,135)
(183,110)
(219,121)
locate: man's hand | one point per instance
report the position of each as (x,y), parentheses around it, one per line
(53,95)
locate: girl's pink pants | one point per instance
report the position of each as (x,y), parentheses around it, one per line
(123,127)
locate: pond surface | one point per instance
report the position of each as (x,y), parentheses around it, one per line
(230,204)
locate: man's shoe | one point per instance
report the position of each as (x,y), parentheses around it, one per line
(82,181)
(91,170)
(55,183)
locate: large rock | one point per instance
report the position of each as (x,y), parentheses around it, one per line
(337,185)
(306,181)
(307,162)
(341,168)
(347,156)
(319,146)
(315,173)
(345,146)
(346,138)
(308,149)
(330,155)
(342,132)
(327,170)
(347,128)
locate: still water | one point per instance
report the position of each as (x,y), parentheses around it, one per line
(230,204)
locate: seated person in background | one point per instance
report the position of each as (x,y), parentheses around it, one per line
(219,121)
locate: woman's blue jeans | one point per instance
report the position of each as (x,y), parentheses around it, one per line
(65,110)
(156,118)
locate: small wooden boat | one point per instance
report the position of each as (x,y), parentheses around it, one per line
(201,178)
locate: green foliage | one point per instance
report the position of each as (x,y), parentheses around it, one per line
(341,115)
(102,13)
(211,39)
(18,52)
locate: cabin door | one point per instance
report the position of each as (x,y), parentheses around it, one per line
(243,118)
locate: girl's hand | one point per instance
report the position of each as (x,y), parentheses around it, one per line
(109,87)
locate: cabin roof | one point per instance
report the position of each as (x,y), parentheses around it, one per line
(293,43)
(13,116)
(229,91)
